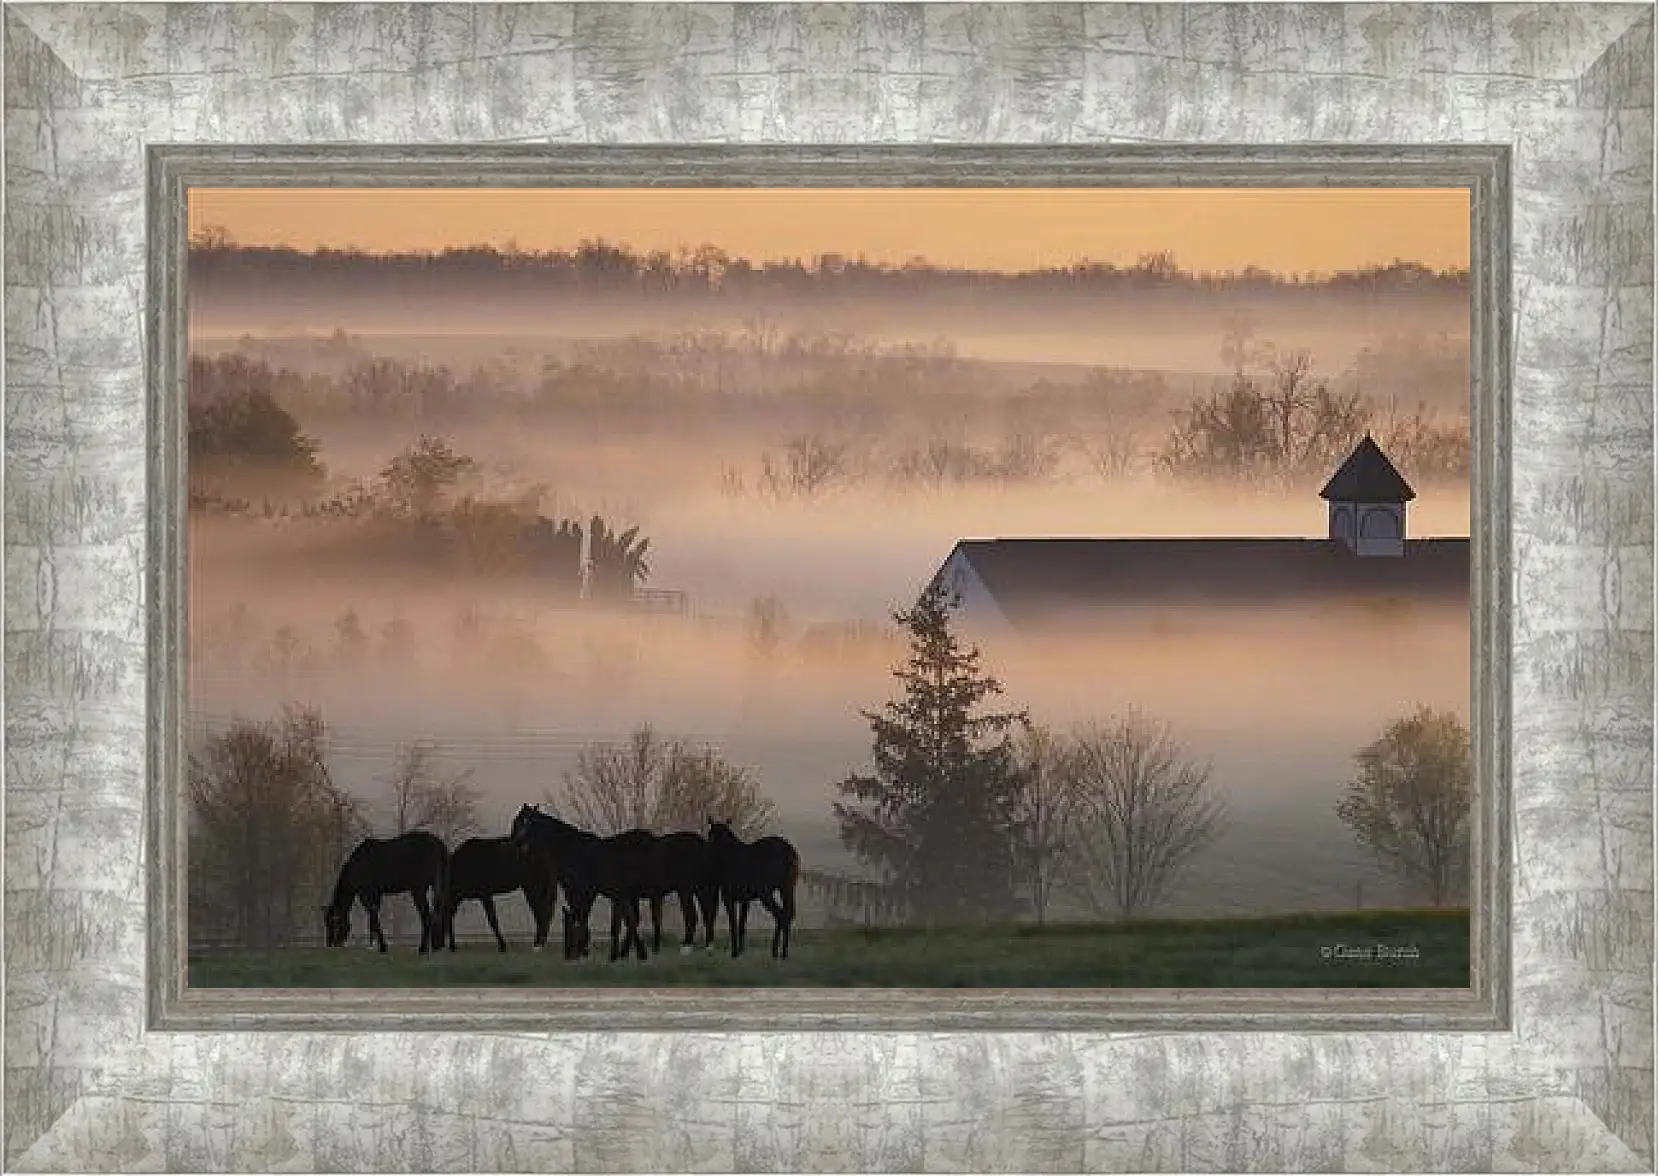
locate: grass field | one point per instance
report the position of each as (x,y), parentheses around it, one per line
(1295,951)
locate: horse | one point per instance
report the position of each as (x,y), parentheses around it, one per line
(413,864)
(627,873)
(680,865)
(589,865)
(483,867)
(768,870)
(671,863)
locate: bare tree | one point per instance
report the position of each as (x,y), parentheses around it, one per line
(1275,422)
(810,465)
(612,786)
(1140,810)
(421,798)
(665,786)
(761,337)
(1412,799)
(1110,451)
(1423,444)
(699,784)
(1114,408)
(1314,425)
(268,827)
(1043,812)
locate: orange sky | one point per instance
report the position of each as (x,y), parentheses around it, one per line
(1304,230)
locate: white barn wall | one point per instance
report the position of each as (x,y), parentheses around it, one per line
(978,611)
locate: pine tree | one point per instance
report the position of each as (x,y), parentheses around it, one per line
(939,813)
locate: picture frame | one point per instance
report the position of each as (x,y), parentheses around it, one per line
(174,170)
(111,1064)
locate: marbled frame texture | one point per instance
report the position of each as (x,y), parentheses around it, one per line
(101,1074)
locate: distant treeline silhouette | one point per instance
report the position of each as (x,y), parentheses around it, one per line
(598,265)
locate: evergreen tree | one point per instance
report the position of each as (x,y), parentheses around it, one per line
(939,813)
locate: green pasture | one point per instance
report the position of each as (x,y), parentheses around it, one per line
(1294,951)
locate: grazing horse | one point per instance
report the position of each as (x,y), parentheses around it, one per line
(414,864)
(768,870)
(588,866)
(483,867)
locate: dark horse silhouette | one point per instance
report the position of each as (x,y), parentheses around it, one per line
(768,870)
(681,865)
(414,863)
(483,867)
(588,866)
(675,864)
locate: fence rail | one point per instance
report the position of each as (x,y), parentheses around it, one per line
(661,600)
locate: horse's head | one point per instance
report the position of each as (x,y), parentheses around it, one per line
(719,832)
(521,825)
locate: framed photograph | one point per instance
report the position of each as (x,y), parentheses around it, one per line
(1111,630)
(505,642)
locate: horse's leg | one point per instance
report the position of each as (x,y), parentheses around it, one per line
(634,929)
(428,925)
(775,909)
(687,916)
(572,944)
(742,927)
(488,901)
(375,934)
(543,912)
(787,896)
(731,925)
(449,907)
(616,928)
(709,900)
(656,923)
(581,917)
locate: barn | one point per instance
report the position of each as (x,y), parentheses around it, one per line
(1022,584)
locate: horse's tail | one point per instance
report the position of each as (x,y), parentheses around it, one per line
(791,879)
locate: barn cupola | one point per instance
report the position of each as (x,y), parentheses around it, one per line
(1367,498)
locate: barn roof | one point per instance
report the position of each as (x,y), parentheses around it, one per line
(1031,577)
(1367,476)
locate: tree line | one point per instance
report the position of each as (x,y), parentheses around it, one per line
(1275,425)
(1276,421)
(596,263)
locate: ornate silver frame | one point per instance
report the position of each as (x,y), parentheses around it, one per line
(1482,170)
(1548,1063)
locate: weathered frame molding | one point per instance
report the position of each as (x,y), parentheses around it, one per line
(92,1083)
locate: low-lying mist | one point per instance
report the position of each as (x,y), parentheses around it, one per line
(849,553)
(1277,701)
(1157,331)
(824,516)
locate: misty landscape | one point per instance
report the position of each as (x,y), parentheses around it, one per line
(477,527)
